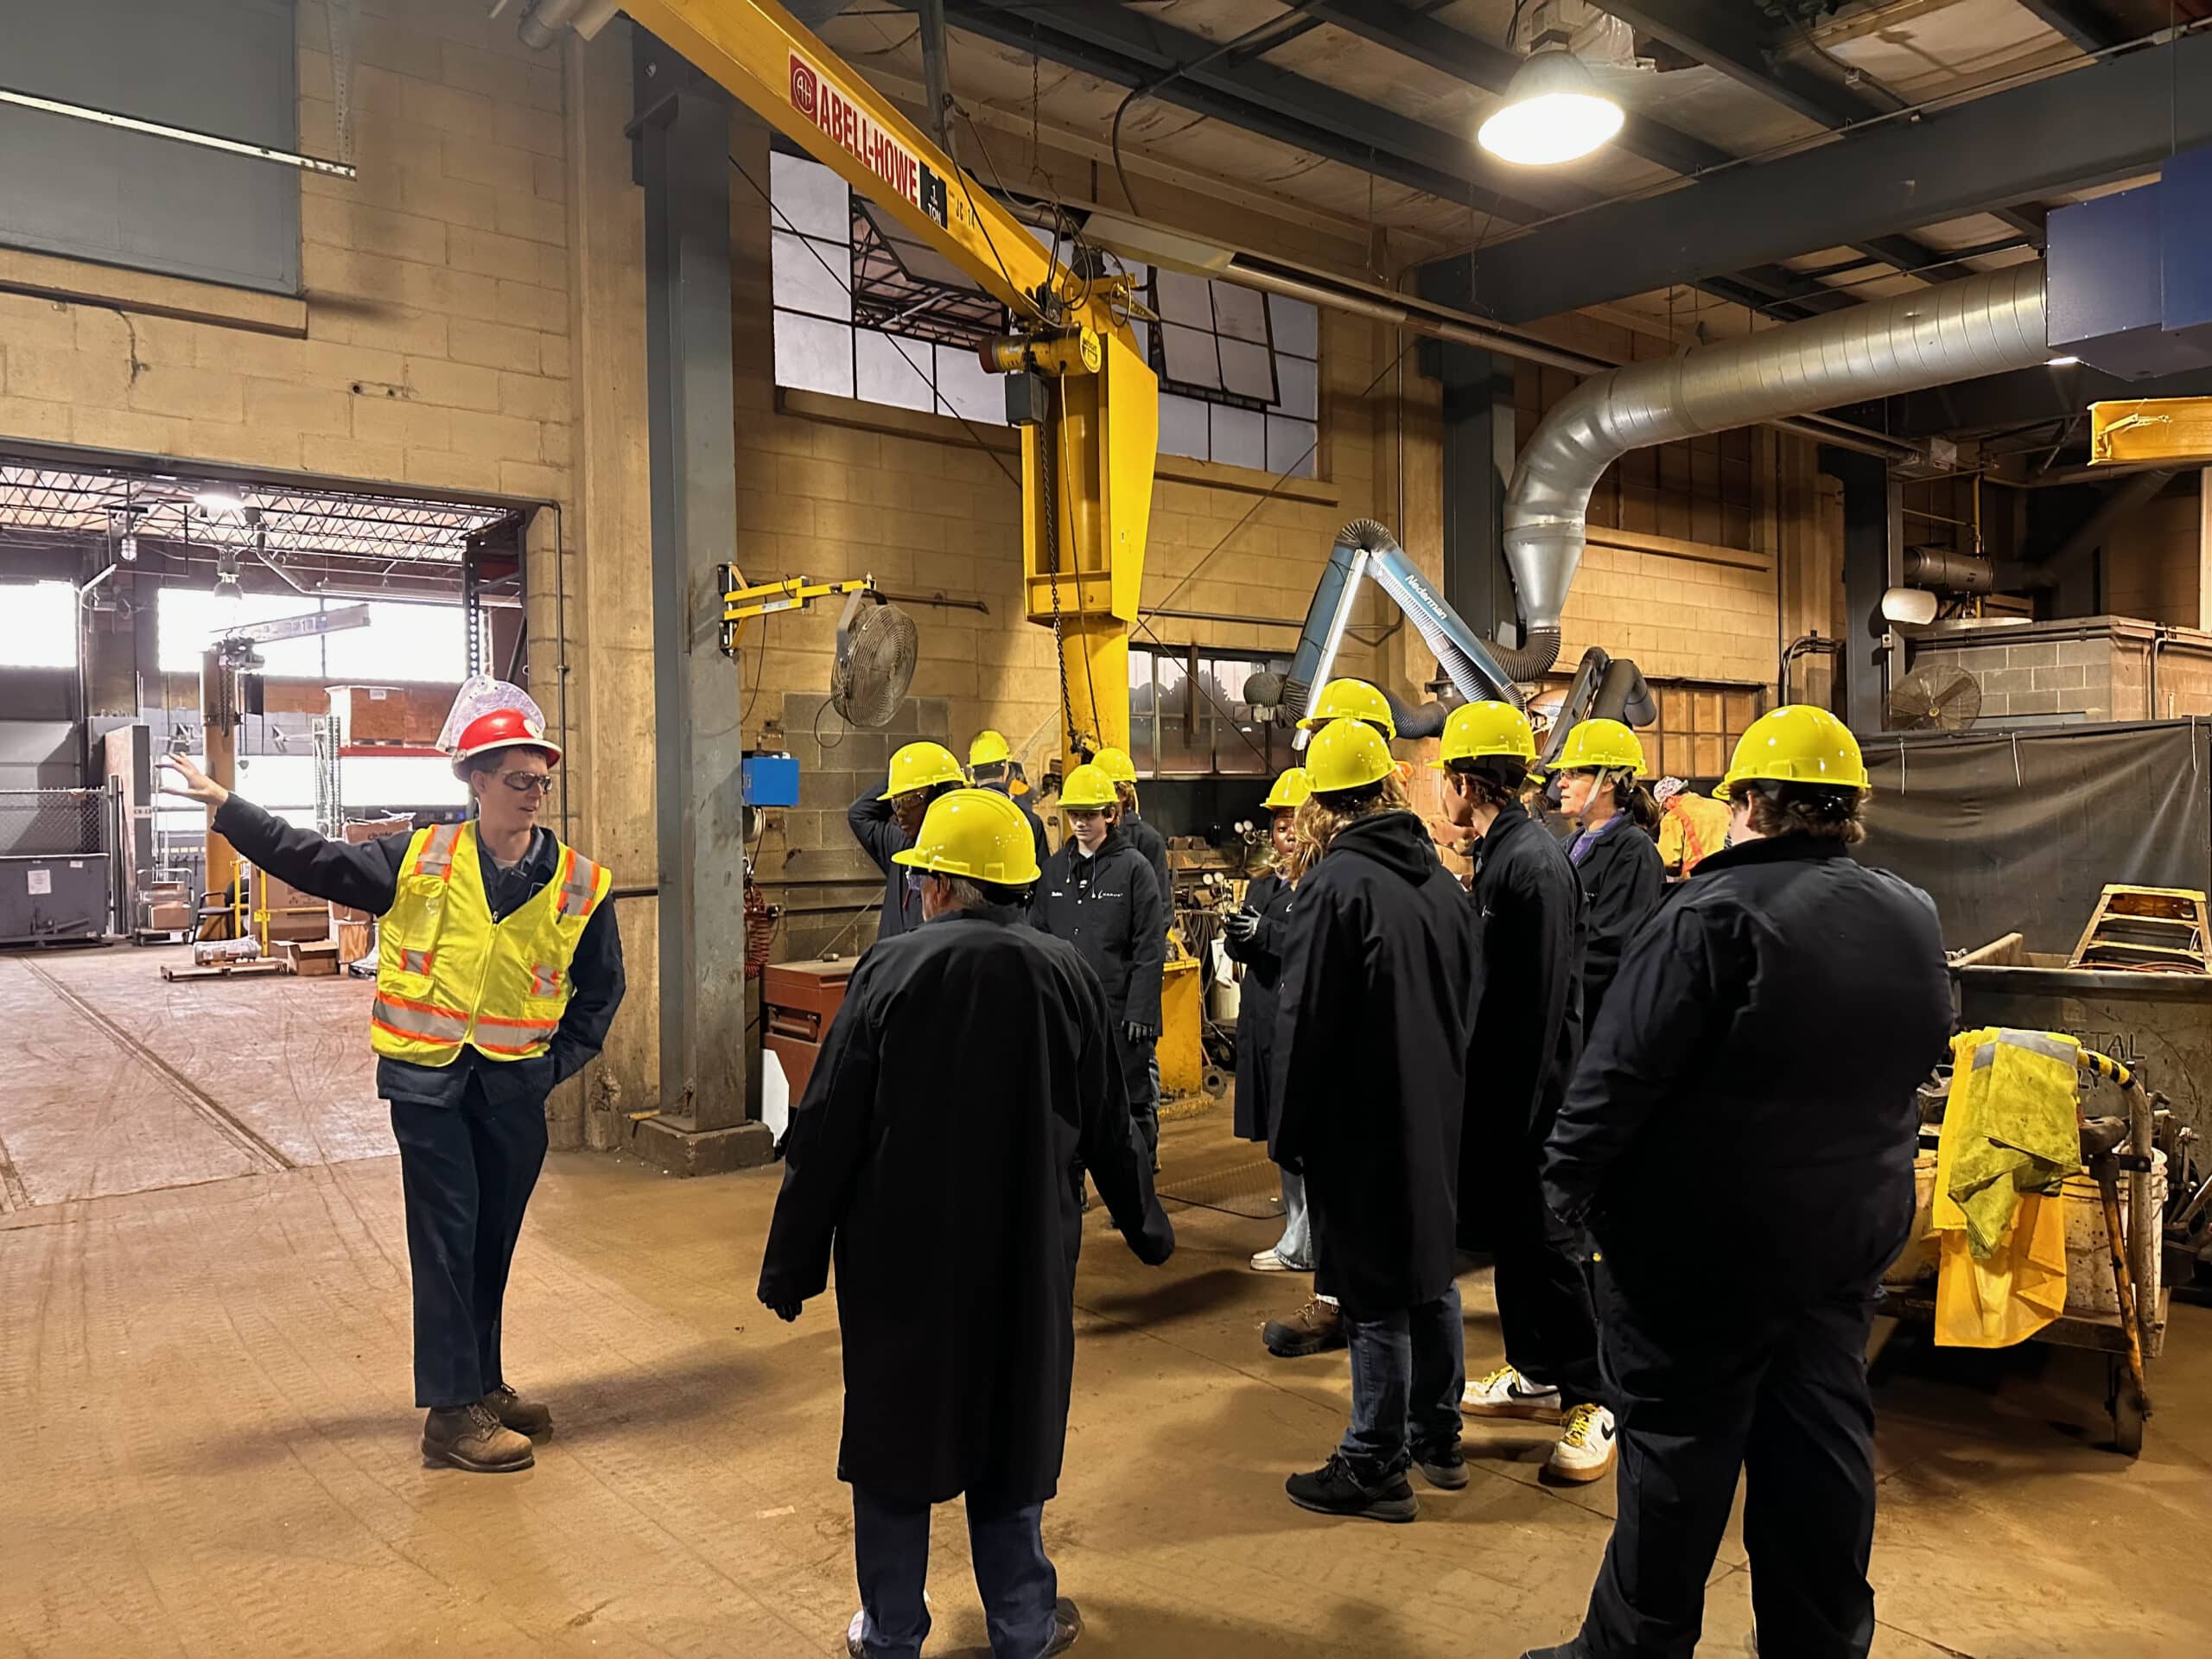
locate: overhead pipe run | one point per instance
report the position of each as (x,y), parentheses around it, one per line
(1983,325)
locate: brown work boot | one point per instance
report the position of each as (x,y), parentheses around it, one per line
(1315,1328)
(524,1416)
(473,1438)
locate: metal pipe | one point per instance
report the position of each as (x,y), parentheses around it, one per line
(542,23)
(1983,325)
(1443,322)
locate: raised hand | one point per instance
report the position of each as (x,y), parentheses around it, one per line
(197,785)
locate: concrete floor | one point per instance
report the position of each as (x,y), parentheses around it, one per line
(208,1444)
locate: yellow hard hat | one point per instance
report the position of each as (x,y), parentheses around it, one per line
(1347,754)
(1350,700)
(1599,743)
(1476,729)
(976,833)
(1087,789)
(988,749)
(1116,764)
(1290,791)
(1797,744)
(921,765)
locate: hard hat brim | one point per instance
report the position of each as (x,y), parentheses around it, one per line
(551,751)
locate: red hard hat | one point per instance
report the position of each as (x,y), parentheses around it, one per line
(504,729)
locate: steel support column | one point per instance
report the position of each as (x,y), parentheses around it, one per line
(1873,541)
(683,139)
(1479,450)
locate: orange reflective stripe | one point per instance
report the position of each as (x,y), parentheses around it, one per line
(579,883)
(544,980)
(416,962)
(437,851)
(405,1019)
(478,1042)
(501,1023)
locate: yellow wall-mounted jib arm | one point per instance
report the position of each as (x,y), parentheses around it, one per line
(1090,427)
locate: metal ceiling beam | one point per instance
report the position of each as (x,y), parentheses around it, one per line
(1131,48)
(2082,22)
(1419,36)
(2021,398)
(1722,35)
(2092,125)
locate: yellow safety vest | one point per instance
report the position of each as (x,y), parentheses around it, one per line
(449,977)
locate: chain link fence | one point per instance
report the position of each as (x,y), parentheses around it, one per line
(53,823)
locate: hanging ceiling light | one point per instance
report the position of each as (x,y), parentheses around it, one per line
(1553,113)
(226,576)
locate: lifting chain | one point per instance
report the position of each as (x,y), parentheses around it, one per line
(1048,478)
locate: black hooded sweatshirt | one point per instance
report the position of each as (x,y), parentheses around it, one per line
(1371,1038)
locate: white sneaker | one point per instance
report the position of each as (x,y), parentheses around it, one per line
(1268,1262)
(1587,1447)
(1506,1393)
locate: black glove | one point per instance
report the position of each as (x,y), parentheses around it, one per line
(784,1308)
(1138,1033)
(1241,925)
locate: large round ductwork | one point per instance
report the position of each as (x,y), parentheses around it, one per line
(1983,325)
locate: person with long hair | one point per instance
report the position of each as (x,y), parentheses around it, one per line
(1254,936)
(1738,1141)
(1528,1031)
(1613,851)
(1373,1029)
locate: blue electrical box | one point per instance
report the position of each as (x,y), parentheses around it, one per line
(2130,289)
(770,780)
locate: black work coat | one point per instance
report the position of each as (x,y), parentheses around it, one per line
(1154,845)
(1744,1113)
(1622,877)
(1110,908)
(874,824)
(948,1207)
(1257,999)
(1527,1017)
(1371,1060)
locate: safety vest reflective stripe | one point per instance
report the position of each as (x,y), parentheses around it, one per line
(437,851)
(407,1019)
(416,962)
(579,881)
(544,980)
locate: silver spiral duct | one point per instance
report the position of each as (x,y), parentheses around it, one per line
(1983,325)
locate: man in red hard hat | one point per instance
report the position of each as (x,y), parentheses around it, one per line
(499,970)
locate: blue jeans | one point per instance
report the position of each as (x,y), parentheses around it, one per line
(891,1548)
(1296,1246)
(1409,1369)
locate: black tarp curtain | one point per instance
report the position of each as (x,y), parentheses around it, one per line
(2021,831)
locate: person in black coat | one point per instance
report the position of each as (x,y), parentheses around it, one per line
(1371,1068)
(1528,1030)
(1739,1141)
(1614,849)
(1121,772)
(990,766)
(884,823)
(1098,893)
(910,1176)
(1254,936)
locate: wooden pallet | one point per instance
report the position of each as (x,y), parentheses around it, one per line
(2145,930)
(254,968)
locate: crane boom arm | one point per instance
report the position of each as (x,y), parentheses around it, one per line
(1090,440)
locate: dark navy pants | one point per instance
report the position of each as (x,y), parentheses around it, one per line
(1753,1386)
(890,1549)
(1409,1369)
(467,1171)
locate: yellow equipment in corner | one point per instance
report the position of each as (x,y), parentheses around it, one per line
(1091,403)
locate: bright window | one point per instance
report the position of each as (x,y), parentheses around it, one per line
(38,625)
(401,644)
(1181,728)
(862,310)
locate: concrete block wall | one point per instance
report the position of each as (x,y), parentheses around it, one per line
(1680,617)
(2088,670)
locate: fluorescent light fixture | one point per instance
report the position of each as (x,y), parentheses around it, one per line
(1553,113)
(220,502)
(2060,362)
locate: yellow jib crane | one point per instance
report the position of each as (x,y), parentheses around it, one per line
(1087,402)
